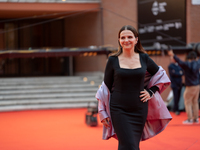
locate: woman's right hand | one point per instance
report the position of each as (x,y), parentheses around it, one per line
(106,122)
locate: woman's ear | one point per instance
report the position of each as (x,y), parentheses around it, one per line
(136,40)
(119,43)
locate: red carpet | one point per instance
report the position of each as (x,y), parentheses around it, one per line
(65,129)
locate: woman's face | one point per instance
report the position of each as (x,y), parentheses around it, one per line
(127,40)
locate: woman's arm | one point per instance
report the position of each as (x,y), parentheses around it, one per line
(109,73)
(152,68)
(108,80)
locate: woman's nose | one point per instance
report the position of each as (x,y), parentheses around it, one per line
(126,39)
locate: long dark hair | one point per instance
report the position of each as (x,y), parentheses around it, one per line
(138,46)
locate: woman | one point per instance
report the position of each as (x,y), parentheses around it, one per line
(124,78)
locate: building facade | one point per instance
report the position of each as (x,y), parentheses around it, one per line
(45,24)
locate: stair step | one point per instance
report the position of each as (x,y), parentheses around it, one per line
(37,96)
(50,100)
(53,86)
(44,106)
(42,91)
(17,79)
(47,80)
(41,82)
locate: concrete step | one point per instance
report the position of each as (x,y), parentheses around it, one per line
(51,90)
(49,95)
(17,79)
(47,80)
(41,82)
(48,101)
(52,86)
(43,106)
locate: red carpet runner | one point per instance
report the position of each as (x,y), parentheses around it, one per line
(65,129)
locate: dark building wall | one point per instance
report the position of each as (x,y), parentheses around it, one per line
(1,36)
(24,35)
(42,35)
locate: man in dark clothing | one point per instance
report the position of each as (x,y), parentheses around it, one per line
(175,73)
(191,94)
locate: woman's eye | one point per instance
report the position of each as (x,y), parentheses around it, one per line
(122,38)
(130,37)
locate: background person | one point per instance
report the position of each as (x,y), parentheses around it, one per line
(191,93)
(176,73)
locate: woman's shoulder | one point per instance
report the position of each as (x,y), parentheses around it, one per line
(112,58)
(144,55)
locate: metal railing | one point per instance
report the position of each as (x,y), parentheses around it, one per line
(52,1)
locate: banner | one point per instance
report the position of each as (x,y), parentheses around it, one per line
(162,22)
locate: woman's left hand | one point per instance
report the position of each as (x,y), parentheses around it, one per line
(144,95)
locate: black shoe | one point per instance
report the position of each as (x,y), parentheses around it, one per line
(196,121)
(177,112)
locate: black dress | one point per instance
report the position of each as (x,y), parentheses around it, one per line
(128,112)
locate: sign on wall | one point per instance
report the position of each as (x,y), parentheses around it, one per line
(162,22)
